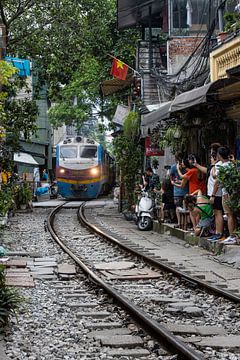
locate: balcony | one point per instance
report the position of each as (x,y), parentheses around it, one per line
(225,57)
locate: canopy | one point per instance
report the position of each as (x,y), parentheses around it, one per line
(24,158)
(151,120)
(22,65)
(109,87)
(162,112)
(202,94)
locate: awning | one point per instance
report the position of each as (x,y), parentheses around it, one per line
(151,120)
(22,65)
(24,158)
(203,94)
(109,87)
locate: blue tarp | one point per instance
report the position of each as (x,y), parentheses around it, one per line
(42,190)
(22,65)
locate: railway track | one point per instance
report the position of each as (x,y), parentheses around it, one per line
(138,290)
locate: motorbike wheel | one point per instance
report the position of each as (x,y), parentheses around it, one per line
(145,223)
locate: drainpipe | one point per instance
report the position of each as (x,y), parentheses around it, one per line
(150,58)
(221,8)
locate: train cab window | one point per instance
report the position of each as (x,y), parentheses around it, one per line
(68,152)
(88,152)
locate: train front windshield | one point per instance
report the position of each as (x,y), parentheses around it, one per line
(88,152)
(68,152)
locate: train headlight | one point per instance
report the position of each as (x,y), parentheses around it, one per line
(62,171)
(94,171)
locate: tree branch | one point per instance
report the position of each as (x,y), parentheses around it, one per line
(21,9)
(3,17)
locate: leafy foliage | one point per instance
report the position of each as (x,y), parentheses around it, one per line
(69,41)
(17,117)
(6,72)
(229,177)
(232,21)
(173,138)
(127,151)
(23,194)
(6,200)
(9,299)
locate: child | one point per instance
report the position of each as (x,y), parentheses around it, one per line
(200,210)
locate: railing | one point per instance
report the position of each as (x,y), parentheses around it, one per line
(224,58)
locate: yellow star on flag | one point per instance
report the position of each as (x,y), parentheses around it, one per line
(119,69)
(120,64)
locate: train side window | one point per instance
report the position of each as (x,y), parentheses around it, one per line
(68,152)
(88,152)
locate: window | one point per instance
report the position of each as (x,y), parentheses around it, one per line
(68,152)
(189,17)
(88,152)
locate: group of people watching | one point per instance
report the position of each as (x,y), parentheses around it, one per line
(197,189)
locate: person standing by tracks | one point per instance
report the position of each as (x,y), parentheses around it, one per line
(178,192)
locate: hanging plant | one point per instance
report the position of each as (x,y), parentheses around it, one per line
(174,138)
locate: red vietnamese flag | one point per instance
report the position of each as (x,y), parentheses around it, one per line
(119,69)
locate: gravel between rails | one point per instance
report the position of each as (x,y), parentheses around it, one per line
(46,327)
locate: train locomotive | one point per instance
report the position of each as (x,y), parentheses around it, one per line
(84,169)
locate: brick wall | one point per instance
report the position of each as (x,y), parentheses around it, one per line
(179,49)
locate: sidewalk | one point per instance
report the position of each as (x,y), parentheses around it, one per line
(229,254)
(177,247)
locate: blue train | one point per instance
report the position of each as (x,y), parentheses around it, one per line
(84,169)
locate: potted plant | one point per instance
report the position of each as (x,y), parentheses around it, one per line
(24,195)
(10,299)
(232,21)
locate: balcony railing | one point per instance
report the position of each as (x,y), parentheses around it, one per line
(225,57)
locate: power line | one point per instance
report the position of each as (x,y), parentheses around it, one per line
(172,85)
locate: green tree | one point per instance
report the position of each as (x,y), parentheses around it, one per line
(17,117)
(70,41)
(127,151)
(6,72)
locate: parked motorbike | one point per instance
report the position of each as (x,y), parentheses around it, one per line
(144,211)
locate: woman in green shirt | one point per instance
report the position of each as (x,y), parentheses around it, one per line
(201,211)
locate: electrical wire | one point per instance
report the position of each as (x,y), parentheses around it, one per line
(197,62)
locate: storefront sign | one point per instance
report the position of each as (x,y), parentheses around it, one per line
(152,149)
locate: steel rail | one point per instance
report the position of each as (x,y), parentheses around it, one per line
(166,338)
(188,278)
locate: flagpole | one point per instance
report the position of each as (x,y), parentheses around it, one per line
(134,70)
